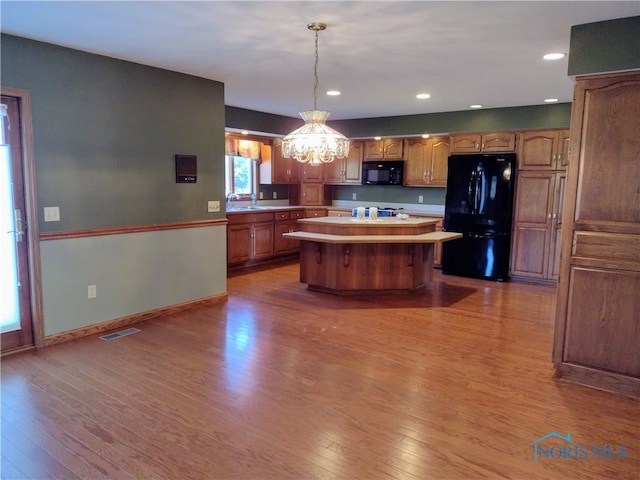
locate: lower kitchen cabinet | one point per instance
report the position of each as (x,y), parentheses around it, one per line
(249,237)
(437,253)
(535,252)
(285,222)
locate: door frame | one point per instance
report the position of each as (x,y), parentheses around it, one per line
(31,213)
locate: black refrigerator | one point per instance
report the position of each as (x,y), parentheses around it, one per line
(479,204)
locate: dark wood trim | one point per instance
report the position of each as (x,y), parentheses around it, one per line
(132,319)
(97,232)
(31,198)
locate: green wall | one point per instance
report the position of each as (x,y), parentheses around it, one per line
(106,132)
(609,46)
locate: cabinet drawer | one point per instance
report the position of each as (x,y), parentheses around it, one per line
(238,218)
(284,215)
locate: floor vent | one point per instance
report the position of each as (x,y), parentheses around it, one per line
(122,333)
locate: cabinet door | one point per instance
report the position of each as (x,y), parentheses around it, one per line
(239,240)
(498,142)
(437,251)
(394,149)
(466,143)
(544,150)
(262,240)
(312,193)
(562,160)
(439,153)
(353,163)
(604,331)
(556,225)
(312,173)
(374,149)
(334,172)
(415,169)
(534,205)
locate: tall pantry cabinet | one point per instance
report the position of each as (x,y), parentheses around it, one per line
(543,157)
(597,331)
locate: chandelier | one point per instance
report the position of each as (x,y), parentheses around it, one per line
(315,142)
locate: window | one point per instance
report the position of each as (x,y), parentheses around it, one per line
(240,175)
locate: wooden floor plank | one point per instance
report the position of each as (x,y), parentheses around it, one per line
(281,382)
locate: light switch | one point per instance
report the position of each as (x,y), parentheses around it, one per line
(213,206)
(51,214)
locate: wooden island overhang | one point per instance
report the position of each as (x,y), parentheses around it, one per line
(350,256)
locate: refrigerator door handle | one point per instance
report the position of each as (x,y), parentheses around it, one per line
(476,206)
(470,192)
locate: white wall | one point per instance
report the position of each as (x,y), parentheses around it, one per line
(133,273)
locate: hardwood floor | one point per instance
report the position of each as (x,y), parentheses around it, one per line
(281,382)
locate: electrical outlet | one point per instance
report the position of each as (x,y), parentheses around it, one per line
(213,206)
(91,291)
(420,199)
(261,195)
(275,195)
(354,196)
(51,214)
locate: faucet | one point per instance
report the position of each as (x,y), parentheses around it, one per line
(230,198)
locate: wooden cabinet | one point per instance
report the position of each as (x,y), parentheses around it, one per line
(285,222)
(427,160)
(535,251)
(249,237)
(312,173)
(385,149)
(543,150)
(346,171)
(275,169)
(437,253)
(315,212)
(312,194)
(483,142)
(597,330)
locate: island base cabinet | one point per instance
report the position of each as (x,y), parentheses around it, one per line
(361,268)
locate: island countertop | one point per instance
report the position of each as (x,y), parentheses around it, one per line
(380,226)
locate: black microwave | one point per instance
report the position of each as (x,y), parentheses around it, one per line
(382,172)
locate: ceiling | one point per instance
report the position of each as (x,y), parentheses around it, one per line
(378,54)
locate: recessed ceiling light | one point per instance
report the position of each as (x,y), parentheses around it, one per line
(475,106)
(550,100)
(333,93)
(553,56)
(423,96)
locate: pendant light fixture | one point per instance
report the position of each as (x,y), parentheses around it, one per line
(315,142)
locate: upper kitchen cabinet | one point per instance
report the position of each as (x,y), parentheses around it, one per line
(427,160)
(543,150)
(275,169)
(385,149)
(346,171)
(483,142)
(312,173)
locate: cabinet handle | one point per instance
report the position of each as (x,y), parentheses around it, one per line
(483,146)
(549,216)
(555,215)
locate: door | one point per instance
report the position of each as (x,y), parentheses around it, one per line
(494,181)
(15,291)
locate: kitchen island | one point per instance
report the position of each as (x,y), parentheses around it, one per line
(350,256)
